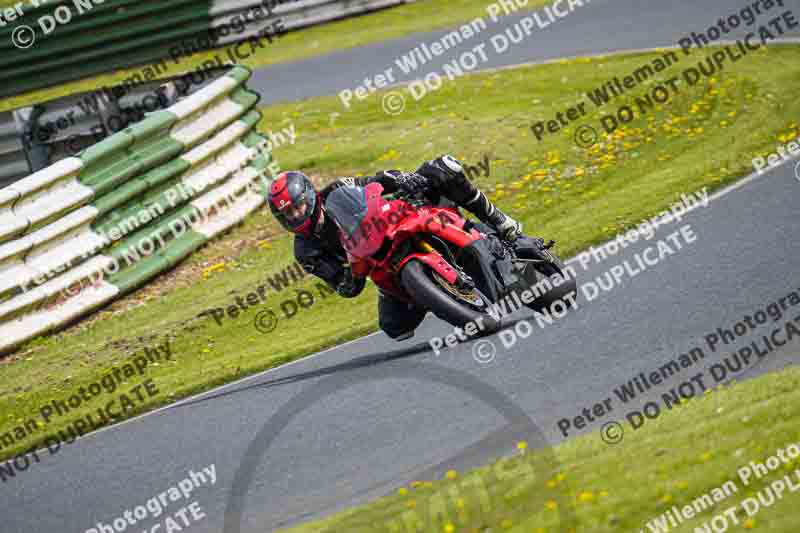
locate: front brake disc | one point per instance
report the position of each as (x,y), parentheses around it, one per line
(471,296)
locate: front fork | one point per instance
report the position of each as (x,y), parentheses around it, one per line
(431,257)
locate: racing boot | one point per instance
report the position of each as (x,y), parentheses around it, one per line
(505,226)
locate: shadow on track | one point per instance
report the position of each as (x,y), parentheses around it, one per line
(359,362)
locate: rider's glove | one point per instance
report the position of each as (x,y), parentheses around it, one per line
(412,184)
(348,286)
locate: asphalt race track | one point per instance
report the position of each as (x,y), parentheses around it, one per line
(371,415)
(602,26)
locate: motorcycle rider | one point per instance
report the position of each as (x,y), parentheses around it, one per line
(301,209)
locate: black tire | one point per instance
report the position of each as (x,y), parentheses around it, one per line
(426,292)
(535,273)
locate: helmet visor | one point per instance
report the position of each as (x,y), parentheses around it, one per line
(297,213)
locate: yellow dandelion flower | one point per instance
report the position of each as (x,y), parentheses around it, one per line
(551,504)
(749,523)
(586,497)
(452,474)
(219,267)
(449,528)
(402,491)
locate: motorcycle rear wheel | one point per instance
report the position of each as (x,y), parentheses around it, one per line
(418,281)
(566,290)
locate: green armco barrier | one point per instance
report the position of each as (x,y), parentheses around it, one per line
(93,27)
(117,34)
(112,35)
(88,229)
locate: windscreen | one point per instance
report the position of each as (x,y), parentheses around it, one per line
(348,208)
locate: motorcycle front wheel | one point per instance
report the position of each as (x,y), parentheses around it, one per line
(451,304)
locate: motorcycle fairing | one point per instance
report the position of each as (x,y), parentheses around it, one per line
(480,261)
(367,220)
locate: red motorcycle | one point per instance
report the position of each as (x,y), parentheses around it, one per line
(435,258)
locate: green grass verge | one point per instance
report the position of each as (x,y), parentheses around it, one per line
(384,25)
(705,137)
(668,462)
